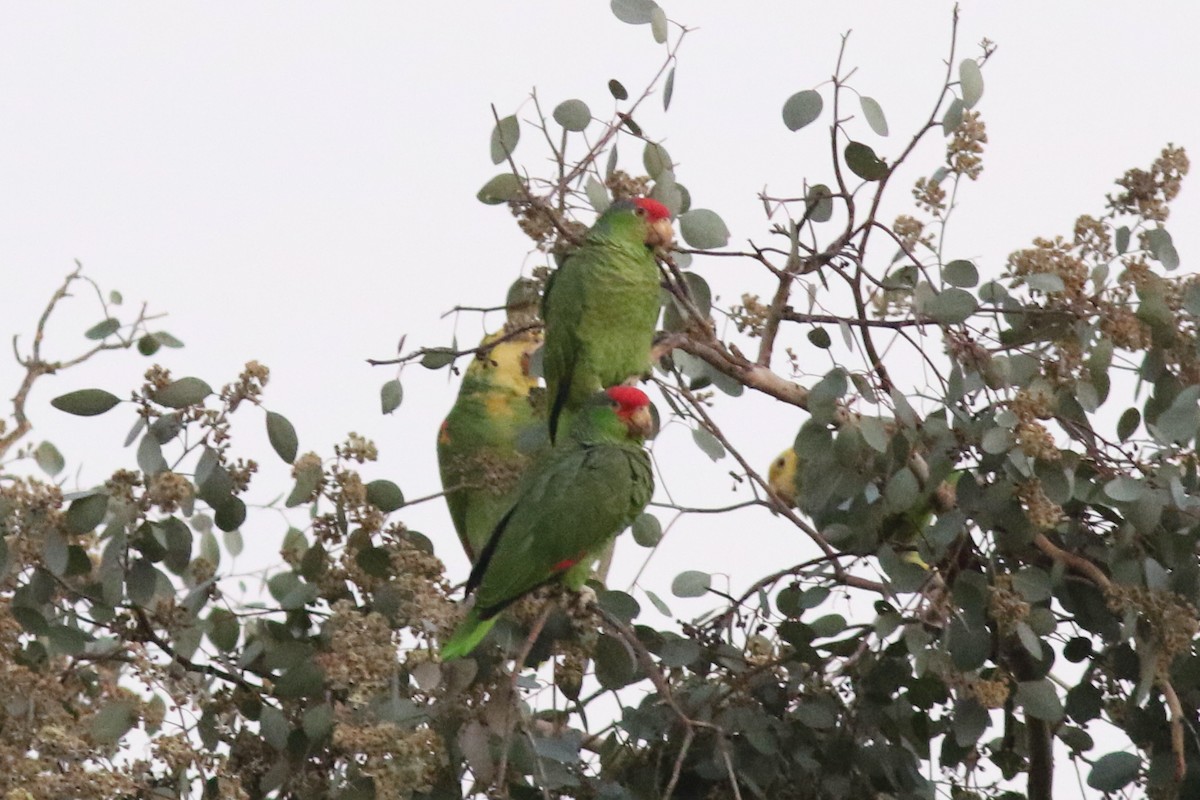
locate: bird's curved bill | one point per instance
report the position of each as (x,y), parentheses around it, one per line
(641,422)
(660,234)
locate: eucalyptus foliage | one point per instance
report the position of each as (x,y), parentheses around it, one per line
(1040,609)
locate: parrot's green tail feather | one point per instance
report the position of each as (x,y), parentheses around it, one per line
(467,636)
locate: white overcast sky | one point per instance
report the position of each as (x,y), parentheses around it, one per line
(294,183)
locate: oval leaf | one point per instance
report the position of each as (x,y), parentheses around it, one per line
(112,722)
(656,160)
(437,357)
(182,393)
(634,12)
(960,273)
(863,162)
(390,396)
(384,495)
(953,117)
(802,109)
(84,514)
(48,459)
(85,402)
(691,583)
(282,436)
(505,136)
(1128,423)
(819,203)
(708,443)
(950,306)
(658,25)
(1114,771)
(501,189)
(874,114)
(574,115)
(647,530)
(597,195)
(820,338)
(617,90)
(102,329)
(971,80)
(703,229)
(669,90)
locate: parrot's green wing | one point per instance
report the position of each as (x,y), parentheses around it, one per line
(573,501)
(563,301)
(564,515)
(600,308)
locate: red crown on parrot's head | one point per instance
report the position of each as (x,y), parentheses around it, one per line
(654,209)
(629,398)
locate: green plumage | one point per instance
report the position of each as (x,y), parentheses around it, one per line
(575,499)
(848,502)
(479,444)
(600,308)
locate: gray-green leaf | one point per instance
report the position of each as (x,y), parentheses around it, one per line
(953,117)
(85,402)
(85,513)
(501,189)
(874,114)
(103,329)
(971,80)
(390,396)
(960,273)
(574,115)
(950,306)
(802,108)
(282,436)
(113,721)
(691,583)
(634,12)
(863,162)
(1114,771)
(658,25)
(708,443)
(647,530)
(1040,699)
(48,459)
(384,495)
(597,195)
(703,229)
(505,136)
(182,393)
(656,160)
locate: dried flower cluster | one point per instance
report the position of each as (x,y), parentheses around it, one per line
(965,149)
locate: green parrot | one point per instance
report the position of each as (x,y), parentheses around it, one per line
(478,449)
(902,530)
(601,305)
(573,501)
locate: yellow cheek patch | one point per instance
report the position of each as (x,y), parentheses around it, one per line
(499,406)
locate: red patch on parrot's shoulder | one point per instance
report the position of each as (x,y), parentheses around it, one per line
(444,432)
(654,209)
(628,397)
(564,565)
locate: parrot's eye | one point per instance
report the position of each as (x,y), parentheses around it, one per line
(641,212)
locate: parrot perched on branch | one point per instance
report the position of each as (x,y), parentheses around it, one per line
(903,531)
(601,305)
(478,449)
(573,501)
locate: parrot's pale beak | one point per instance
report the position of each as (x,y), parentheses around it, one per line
(661,234)
(640,422)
